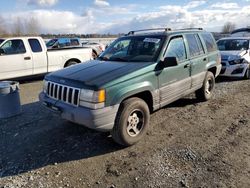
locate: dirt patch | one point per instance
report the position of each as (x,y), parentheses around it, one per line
(189,144)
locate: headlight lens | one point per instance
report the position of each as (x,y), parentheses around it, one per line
(45,86)
(236,61)
(92,96)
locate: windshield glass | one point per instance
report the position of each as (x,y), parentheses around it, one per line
(51,42)
(233,44)
(134,48)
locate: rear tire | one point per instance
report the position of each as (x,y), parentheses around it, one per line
(131,122)
(206,92)
(70,63)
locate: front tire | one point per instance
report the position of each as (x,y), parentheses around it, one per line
(206,92)
(131,122)
(247,74)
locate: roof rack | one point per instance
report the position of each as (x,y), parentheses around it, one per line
(191,28)
(156,29)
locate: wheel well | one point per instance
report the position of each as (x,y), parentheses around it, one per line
(213,70)
(146,96)
(94,51)
(74,59)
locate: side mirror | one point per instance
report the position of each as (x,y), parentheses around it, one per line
(1,51)
(169,62)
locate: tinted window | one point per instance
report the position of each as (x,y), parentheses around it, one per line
(13,47)
(209,41)
(35,45)
(176,48)
(194,45)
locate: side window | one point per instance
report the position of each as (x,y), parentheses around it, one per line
(74,42)
(176,48)
(194,45)
(12,47)
(35,45)
(209,41)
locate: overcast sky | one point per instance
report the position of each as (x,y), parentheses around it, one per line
(120,16)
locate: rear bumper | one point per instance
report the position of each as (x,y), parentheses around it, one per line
(101,119)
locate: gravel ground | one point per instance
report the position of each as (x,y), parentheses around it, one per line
(189,144)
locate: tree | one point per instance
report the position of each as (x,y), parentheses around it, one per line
(228,27)
(18,27)
(32,27)
(3,31)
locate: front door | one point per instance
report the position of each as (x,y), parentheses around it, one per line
(15,60)
(175,81)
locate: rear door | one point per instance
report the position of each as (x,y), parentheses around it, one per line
(198,60)
(39,56)
(175,81)
(16,61)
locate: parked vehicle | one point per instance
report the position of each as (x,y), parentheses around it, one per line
(26,56)
(235,56)
(63,43)
(136,75)
(1,40)
(97,48)
(242,32)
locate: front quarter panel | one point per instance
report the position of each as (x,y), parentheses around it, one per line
(146,82)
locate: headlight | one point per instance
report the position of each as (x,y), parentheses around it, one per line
(92,99)
(45,86)
(236,61)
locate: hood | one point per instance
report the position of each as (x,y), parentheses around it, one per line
(232,55)
(94,73)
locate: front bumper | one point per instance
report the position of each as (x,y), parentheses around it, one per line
(101,119)
(237,70)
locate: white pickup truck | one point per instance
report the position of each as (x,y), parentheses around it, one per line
(27,56)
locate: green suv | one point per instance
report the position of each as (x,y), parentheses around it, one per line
(136,75)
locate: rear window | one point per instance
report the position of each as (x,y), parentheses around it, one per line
(35,45)
(209,42)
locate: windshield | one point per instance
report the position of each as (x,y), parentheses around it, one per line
(51,42)
(233,44)
(134,49)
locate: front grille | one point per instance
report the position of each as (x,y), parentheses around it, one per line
(63,93)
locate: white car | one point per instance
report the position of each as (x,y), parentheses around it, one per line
(235,56)
(27,56)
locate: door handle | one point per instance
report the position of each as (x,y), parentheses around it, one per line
(205,59)
(187,66)
(27,58)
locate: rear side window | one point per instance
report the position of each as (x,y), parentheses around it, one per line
(209,41)
(176,48)
(35,45)
(194,45)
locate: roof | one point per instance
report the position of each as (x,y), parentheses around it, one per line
(242,38)
(25,37)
